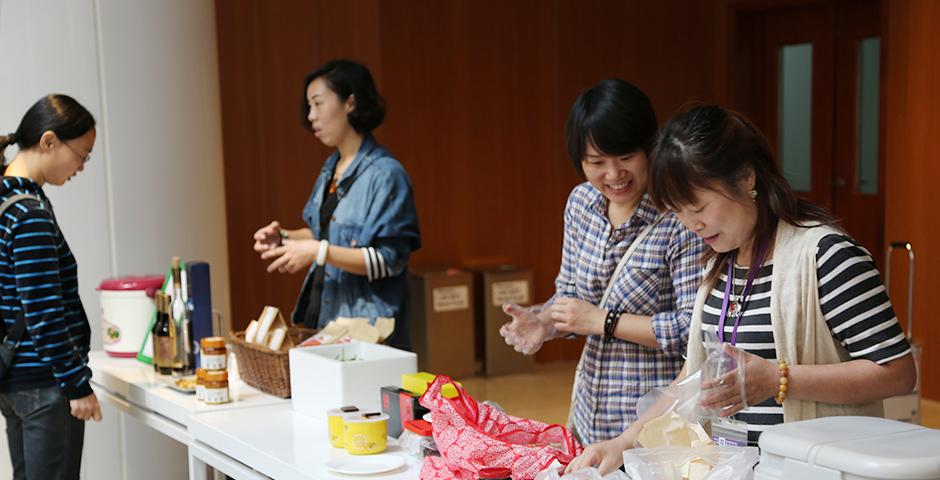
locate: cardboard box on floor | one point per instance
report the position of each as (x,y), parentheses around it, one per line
(496,286)
(442,313)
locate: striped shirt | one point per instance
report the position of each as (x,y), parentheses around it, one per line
(39,276)
(659,280)
(854,303)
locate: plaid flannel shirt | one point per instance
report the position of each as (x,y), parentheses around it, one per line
(660,280)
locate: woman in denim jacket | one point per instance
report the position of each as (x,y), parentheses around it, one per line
(362,224)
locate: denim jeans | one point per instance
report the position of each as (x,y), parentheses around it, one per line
(45,440)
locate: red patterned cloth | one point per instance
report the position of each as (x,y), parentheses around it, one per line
(471,436)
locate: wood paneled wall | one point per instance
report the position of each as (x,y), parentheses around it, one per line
(912,124)
(477,92)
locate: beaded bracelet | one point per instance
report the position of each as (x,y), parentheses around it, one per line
(610,324)
(784,382)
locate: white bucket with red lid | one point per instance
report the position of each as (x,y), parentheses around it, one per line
(126,310)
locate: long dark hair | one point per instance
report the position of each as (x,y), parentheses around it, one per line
(708,147)
(345,78)
(58,113)
(615,117)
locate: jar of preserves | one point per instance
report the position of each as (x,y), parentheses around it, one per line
(201,384)
(214,353)
(216,387)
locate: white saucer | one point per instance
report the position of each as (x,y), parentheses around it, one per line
(365,464)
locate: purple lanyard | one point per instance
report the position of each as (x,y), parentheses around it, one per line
(751,276)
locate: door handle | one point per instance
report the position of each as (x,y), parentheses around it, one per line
(839,183)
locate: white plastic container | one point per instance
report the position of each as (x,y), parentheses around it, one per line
(331,376)
(849,448)
(126,310)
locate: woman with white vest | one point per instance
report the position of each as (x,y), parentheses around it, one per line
(806,304)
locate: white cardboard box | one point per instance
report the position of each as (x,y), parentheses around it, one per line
(331,376)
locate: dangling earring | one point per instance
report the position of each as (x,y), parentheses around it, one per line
(753,195)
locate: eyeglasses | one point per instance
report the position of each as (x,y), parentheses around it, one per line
(85,158)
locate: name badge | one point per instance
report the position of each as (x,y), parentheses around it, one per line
(728,432)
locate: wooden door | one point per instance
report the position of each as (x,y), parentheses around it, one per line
(816,95)
(858,177)
(799,65)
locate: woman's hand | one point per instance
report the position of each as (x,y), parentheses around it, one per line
(86,408)
(572,315)
(526,332)
(268,237)
(761,381)
(292,256)
(606,456)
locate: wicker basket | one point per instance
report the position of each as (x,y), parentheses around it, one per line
(263,368)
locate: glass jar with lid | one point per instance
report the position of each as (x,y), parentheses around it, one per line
(214,353)
(216,387)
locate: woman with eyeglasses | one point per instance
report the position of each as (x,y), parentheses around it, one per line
(45,395)
(361,221)
(784,285)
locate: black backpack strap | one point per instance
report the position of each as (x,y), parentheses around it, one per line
(16,331)
(19,327)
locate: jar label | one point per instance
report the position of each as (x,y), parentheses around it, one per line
(216,395)
(213,362)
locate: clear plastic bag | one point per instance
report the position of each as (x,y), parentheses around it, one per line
(416,445)
(553,472)
(666,463)
(719,371)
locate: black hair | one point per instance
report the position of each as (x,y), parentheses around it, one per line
(58,113)
(345,78)
(615,117)
(709,147)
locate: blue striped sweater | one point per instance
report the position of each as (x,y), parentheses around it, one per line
(39,276)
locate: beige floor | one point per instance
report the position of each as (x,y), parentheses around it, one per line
(545,395)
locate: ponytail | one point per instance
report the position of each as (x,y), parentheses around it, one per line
(6,141)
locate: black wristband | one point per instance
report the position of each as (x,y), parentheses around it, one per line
(610,324)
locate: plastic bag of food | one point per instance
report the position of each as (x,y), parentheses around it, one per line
(690,463)
(555,472)
(719,371)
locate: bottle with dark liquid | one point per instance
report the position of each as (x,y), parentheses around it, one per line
(164,338)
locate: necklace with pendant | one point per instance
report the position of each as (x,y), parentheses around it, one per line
(733,305)
(734,310)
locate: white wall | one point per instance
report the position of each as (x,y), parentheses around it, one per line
(148,71)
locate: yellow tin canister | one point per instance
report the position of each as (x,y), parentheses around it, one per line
(336,422)
(365,434)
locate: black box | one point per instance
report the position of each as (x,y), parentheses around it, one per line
(401,406)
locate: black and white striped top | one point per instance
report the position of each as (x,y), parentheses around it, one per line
(853,300)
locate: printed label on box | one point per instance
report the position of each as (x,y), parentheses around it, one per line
(449,299)
(516,291)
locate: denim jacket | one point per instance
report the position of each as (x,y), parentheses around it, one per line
(376,209)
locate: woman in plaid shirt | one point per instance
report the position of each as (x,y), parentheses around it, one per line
(636,334)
